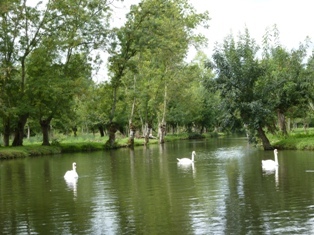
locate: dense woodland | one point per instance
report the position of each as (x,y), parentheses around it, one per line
(48,57)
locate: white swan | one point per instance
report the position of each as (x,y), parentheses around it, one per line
(271,164)
(187,160)
(72,174)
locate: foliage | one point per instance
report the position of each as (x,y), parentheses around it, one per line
(147,55)
(285,81)
(238,71)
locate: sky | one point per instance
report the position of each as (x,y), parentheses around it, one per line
(293,18)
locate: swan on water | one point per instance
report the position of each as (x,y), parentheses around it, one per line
(72,174)
(271,164)
(187,160)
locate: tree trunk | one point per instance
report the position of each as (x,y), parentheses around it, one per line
(282,123)
(162,132)
(112,135)
(202,130)
(45,124)
(131,126)
(265,140)
(101,130)
(6,132)
(74,129)
(132,136)
(148,130)
(28,132)
(162,125)
(19,130)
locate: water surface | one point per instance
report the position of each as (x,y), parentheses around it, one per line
(145,191)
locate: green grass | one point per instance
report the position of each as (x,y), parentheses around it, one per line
(82,143)
(297,139)
(71,144)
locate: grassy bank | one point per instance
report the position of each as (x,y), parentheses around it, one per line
(69,144)
(296,140)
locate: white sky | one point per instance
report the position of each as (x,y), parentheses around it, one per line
(293,18)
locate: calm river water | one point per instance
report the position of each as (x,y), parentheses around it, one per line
(145,191)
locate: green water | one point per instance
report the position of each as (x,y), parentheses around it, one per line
(145,191)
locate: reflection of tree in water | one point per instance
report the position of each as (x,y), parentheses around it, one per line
(242,206)
(148,201)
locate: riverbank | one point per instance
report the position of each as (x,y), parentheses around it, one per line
(297,140)
(85,143)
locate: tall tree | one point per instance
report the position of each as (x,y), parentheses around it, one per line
(149,35)
(285,76)
(238,72)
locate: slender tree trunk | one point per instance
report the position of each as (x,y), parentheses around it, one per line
(131,136)
(162,125)
(101,130)
(19,130)
(6,131)
(45,126)
(131,126)
(148,131)
(265,140)
(282,123)
(28,132)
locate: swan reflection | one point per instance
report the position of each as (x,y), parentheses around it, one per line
(187,167)
(72,185)
(272,171)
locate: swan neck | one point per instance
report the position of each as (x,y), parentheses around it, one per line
(193,157)
(276,158)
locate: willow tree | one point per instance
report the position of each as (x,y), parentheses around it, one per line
(157,33)
(238,73)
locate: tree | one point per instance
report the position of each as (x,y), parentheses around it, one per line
(149,38)
(52,86)
(238,72)
(68,26)
(285,78)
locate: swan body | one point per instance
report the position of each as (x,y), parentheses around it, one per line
(271,164)
(72,174)
(187,160)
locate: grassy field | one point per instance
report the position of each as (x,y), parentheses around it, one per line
(297,139)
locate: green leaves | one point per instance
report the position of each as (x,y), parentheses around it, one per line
(238,73)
